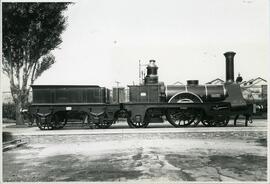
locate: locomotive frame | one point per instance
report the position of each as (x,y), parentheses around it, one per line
(186,106)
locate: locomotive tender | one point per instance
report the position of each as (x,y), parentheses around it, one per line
(182,105)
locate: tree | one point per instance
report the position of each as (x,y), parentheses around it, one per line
(30,32)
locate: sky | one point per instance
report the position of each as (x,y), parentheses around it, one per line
(105,40)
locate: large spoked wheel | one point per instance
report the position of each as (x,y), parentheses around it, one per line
(180,118)
(104,124)
(59,121)
(184,118)
(44,123)
(198,118)
(139,124)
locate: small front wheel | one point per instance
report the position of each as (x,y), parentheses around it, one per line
(137,123)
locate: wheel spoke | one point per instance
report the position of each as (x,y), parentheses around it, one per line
(58,121)
(223,122)
(180,118)
(105,124)
(142,124)
(46,124)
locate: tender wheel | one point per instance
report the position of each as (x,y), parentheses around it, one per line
(44,123)
(104,124)
(180,118)
(59,121)
(139,124)
(28,119)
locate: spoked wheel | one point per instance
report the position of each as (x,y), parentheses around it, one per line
(59,121)
(28,118)
(136,124)
(32,122)
(180,118)
(184,118)
(208,122)
(130,124)
(139,124)
(216,123)
(105,124)
(222,123)
(198,118)
(44,123)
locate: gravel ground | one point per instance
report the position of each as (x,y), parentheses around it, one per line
(156,157)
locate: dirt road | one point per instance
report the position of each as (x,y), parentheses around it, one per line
(157,156)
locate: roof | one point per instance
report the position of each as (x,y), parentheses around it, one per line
(178,83)
(253,82)
(217,80)
(64,86)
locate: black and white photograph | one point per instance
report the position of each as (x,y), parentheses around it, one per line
(129,91)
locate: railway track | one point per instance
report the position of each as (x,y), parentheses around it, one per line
(122,128)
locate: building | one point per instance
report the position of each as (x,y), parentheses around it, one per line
(178,83)
(255,89)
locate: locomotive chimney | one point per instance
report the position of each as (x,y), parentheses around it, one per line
(229,66)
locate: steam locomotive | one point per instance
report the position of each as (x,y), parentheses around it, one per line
(152,101)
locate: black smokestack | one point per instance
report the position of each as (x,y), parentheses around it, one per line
(229,66)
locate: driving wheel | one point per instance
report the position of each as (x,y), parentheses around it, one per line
(180,118)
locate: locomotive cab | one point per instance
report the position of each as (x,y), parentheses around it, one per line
(151,90)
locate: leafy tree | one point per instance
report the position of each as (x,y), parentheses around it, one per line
(30,32)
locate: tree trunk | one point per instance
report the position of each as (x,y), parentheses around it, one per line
(19,119)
